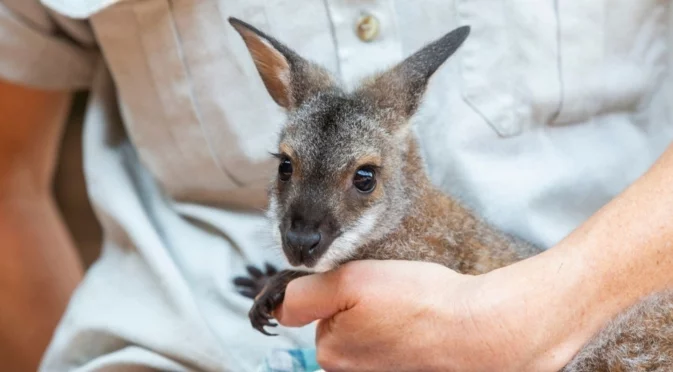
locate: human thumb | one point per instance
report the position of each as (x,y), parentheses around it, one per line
(317,296)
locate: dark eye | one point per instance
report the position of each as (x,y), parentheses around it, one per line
(285,169)
(364,179)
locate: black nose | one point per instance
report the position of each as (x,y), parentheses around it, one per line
(303,241)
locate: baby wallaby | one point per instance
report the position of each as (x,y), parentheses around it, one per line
(351,185)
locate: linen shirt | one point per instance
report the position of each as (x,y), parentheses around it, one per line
(547,111)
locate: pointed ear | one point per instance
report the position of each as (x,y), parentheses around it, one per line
(288,78)
(401,88)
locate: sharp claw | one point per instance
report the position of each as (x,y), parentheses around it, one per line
(244,282)
(262,315)
(260,319)
(270,269)
(246,293)
(262,330)
(254,272)
(267,333)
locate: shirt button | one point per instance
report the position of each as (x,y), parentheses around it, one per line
(367,27)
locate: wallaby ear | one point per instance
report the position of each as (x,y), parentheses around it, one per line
(401,88)
(289,78)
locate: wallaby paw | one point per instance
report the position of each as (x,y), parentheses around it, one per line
(268,291)
(252,285)
(266,302)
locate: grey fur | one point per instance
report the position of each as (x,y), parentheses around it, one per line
(640,339)
(329,130)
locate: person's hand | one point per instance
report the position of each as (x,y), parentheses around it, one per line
(402,316)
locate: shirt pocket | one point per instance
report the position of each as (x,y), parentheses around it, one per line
(554,63)
(193,103)
(613,56)
(509,64)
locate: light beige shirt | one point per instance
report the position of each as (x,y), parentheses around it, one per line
(548,111)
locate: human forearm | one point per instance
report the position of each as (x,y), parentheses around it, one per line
(39,267)
(38,272)
(618,256)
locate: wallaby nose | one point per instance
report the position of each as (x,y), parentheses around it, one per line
(303,241)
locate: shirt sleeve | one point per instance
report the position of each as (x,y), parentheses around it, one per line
(44,50)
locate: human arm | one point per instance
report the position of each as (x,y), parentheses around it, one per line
(39,70)
(39,265)
(533,315)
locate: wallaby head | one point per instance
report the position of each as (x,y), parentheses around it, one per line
(348,165)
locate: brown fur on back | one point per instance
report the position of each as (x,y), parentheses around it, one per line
(638,340)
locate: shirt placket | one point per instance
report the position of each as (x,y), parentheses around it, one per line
(366,36)
(509,64)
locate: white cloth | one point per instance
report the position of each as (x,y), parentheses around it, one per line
(547,112)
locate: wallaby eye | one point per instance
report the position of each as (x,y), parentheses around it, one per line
(364,179)
(285,169)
